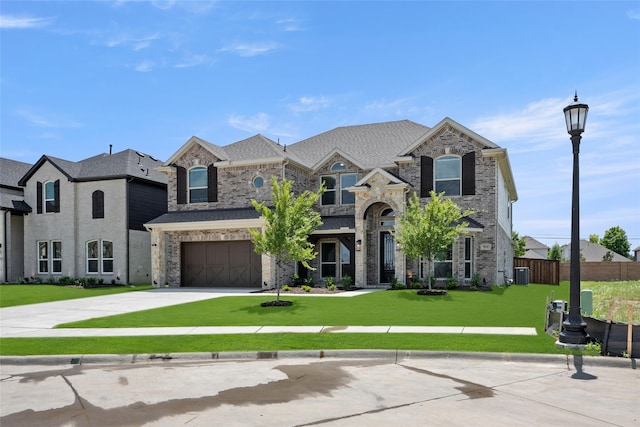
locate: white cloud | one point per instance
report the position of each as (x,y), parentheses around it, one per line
(192,61)
(250,49)
(258,123)
(136,43)
(634,14)
(10,22)
(289,24)
(310,103)
(47,120)
(144,66)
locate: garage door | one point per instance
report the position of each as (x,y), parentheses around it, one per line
(221,264)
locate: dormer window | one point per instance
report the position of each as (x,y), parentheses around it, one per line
(338,166)
(198,184)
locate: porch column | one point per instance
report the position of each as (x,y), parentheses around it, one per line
(361,255)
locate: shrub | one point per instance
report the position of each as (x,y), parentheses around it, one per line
(347,281)
(330,281)
(395,283)
(90,282)
(306,288)
(475,281)
(66,281)
(286,288)
(297,281)
(452,283)
(331,287)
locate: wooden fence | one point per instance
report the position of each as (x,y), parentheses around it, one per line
(604,270)
(540,270)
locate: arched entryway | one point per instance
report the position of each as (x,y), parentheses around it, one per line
(380,244)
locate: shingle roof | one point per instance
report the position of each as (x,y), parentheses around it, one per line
(206,215)
(127,163)
(370,145)
(593,252)
(11,171)
(337,222)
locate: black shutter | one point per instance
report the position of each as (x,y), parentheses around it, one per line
(98,204)
(182,185)
(426,175)
(56,195)
(469,174)
(212,184)
(39,197)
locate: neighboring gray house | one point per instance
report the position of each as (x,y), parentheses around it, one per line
(87,217)
(535,249)
(368,170)
(12,209)
(592,252)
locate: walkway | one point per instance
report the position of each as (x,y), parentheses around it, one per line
(39,320)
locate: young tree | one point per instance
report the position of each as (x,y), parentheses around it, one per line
(594,238)
(616,240)
(519,244)
(424,232)
(288,226)
(555,252)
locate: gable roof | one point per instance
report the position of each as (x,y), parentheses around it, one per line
(11,171)
(369,145)
(124,164)
(593,252)
(216,150)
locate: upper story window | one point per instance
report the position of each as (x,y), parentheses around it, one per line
(97,204)
(448,175)
(342,181)
(198,185)
(48,197)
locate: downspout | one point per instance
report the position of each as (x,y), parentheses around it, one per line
(4,247)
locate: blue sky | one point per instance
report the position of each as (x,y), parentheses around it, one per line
(78,76)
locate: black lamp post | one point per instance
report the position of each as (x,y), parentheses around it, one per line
(574,328)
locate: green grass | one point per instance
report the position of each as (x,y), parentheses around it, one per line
(12,295)
(515,306)
(615,296)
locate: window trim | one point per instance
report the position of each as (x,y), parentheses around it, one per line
(329,191)
(204,187)
(468,244)
(343,188)
(49,203)
(437,180)
(100,258)
(55,259)
(44,259)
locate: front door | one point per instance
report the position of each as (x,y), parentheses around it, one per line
(387,256)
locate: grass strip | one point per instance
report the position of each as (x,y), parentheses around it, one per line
(12,295)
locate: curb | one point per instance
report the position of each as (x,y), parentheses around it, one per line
(394,356)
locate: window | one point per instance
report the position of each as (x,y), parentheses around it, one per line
(329,196)
(328,259)
(448,175)
(258,182)
(43,257)
(387,218)
(468,257)
(347,180)
(99,256)
(443,264)
(56,257)
(50,257)
(97,204)
(338,166)
(345,255)
(48,196)
(198,189)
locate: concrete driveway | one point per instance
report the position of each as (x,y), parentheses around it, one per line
(322,389)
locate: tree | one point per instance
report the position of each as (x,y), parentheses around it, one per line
(287,226)
(424,232)
(519,244)
(594,238)
(616,240)
(555,252)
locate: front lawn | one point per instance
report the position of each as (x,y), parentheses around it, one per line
(11,295)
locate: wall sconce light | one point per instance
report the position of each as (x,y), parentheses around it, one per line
(398,246)
(358,245)
(154,244)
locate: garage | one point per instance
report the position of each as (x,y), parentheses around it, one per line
(221,264)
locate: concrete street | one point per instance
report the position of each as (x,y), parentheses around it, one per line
(322,389)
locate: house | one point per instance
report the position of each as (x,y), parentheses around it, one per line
(535,249)
(12,209)
(636,254)
(593,252)
(87,217)
(368,171)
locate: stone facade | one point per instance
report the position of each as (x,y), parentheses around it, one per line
(380,189)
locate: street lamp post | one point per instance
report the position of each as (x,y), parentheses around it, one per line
(574,333)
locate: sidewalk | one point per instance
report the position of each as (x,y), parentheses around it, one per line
(39,320)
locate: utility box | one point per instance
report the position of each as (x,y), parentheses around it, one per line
(586,302)
(522,275)
(559,306)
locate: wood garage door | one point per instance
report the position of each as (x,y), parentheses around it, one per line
(221,264)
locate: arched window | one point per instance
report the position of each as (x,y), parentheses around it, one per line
(198,184)
(387,218)
(343,181)
(448,175)
(97,204)
(338,166)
